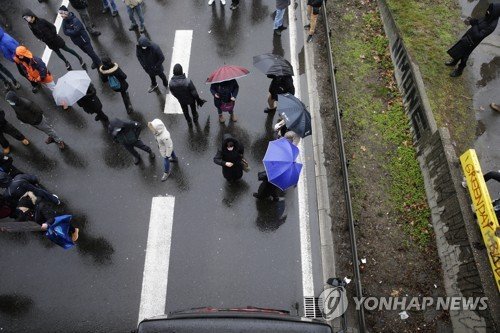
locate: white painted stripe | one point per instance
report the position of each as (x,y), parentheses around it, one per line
(156,264)
(47,52)
(305,230)
(180,55)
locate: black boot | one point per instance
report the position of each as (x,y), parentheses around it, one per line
(451,63)
(457,72)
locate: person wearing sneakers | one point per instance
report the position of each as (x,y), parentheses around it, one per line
(31,208)
(7,128)
(165,145)
(281,6)
(211,2)
(31,114)
(127,133)
(33,69)
(47,33)
(134,7)
(81,7)
(313,7)
(151,58)
(184,90)
(225,94)
(15,187)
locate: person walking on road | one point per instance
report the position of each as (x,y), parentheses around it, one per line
(266,191)
(279,85)
(211,2)
(127,133)
(31,114)
(165,145)
(8,45)
(281,6)
(225,94)
(7,128)
(117,80)
(151,58)
(15,187)
(47,33)
(109,5)
(184,90)
(6,83)
(91,104)
(73,28)
(134,7)
(479,30)
(230,157)
(313,8)
(81,7)
(33,69)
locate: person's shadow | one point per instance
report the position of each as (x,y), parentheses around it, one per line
(259,12)
(270,215)
(233,191)
(489,71)
(198,137)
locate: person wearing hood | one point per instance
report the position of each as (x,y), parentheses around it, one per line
(31,208)
(134,7)
(91,104)
(225,94)
(184,90)
(230,156)
(127,133)
(73,28)
(81,8)
(151,58)
(47,33)
(8,46)
(479,30)
(31,114)
(313,7)
(7,128)
(279,85)
(33,69)
(165,145)
(117,80)
(15,187)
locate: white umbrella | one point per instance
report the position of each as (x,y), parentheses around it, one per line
(71,87)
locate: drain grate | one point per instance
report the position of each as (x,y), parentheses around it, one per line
(311,307)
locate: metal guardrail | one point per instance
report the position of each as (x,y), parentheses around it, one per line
(347,192)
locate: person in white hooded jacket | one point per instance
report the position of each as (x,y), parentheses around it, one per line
(165,145)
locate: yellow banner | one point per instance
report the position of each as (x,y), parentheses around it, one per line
(486,217)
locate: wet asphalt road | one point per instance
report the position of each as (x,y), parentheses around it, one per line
(227,249)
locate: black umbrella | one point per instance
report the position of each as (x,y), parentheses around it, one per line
(272,64)
(295,114)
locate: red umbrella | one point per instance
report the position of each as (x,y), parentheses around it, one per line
(226,73)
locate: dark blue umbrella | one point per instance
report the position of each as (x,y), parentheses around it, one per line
(273,64)
(296,116)
(279,162)
(58,232)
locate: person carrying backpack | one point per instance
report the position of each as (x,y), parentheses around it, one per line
(127,133)
(117,80)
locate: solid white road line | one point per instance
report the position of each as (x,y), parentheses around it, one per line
(156,264)
(47,52)
(305,230)
(180,55)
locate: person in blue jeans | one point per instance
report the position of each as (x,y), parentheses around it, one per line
(109,5)
(165,145)
(281,6)
(134,6)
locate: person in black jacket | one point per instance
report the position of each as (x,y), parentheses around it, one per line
(117,80)
(91,104)
(16,186)
(479,30)
(230,156)
(7,166)
(47,33)
(73,28)
(81,8)
(184,90)
(7,128)
(151,58)
(127,133)
(31,114)
(225,94)
(313,7)
(279,85)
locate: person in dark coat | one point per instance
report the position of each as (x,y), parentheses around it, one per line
(73,28)
(266,190)
(127,134)
(151,58)
(31,114)
(313,7)
(47,33)
(31,208)
(230,156)
(479,30)
(6,83)
(7,166)
(184,90)
(7,128)
(81,8)
(117,80)
(91,104)
(279,85)
(225,94)
(15,187)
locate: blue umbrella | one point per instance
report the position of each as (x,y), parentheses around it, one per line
(58,232)
(279,162)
